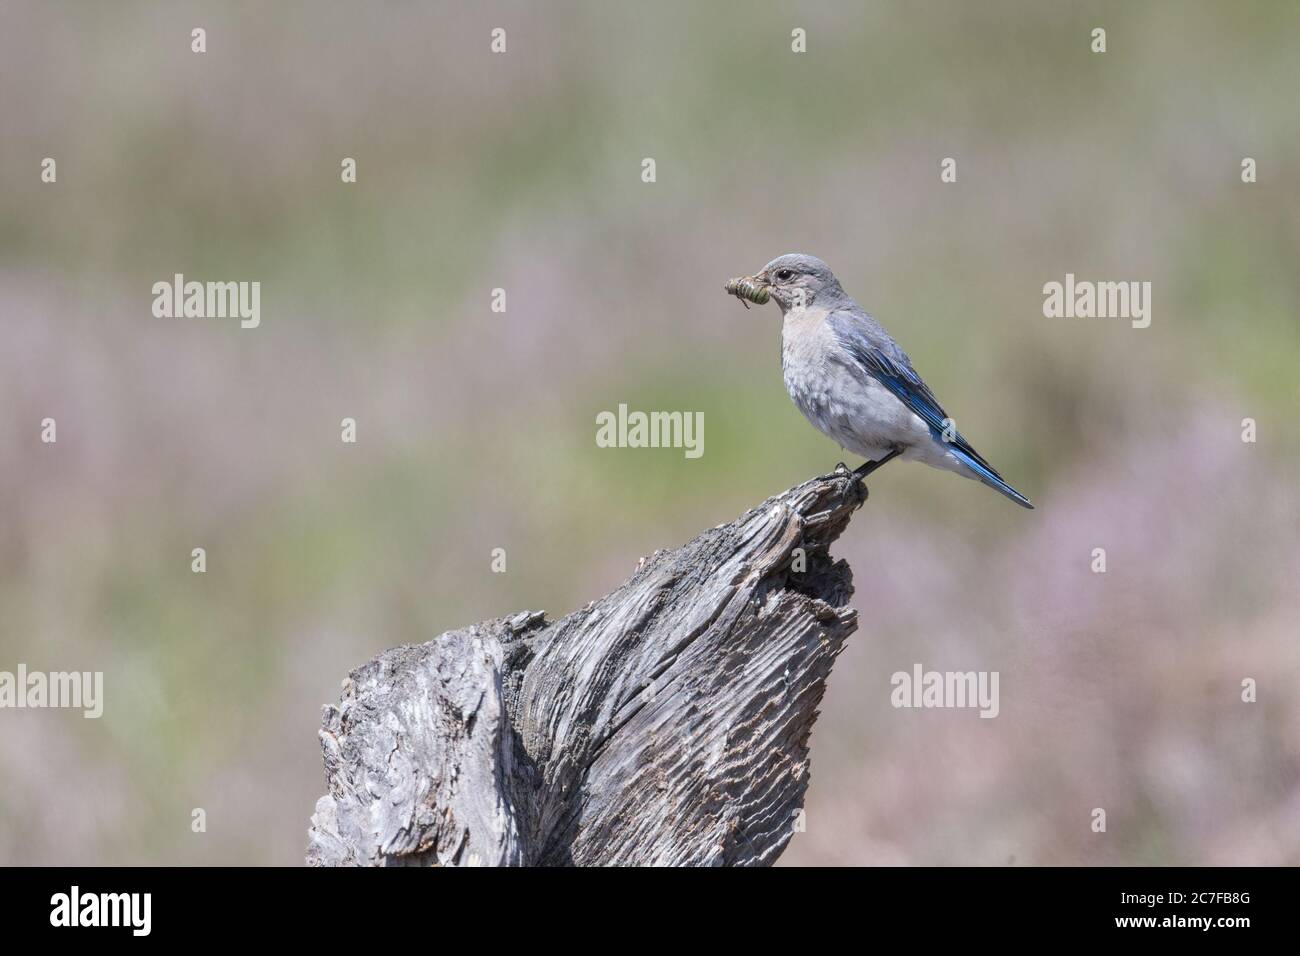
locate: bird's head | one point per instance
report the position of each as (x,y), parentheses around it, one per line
(793,280)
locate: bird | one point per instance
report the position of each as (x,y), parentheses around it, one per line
(852,381)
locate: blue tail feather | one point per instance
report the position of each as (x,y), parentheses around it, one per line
(988,476)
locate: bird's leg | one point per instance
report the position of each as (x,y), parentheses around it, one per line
(867,467)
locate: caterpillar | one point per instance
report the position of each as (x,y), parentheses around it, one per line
(746,288)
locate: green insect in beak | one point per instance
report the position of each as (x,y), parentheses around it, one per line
(747,288)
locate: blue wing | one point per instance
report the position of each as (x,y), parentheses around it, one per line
(881,358)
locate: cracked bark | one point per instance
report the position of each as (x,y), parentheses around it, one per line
(666,723)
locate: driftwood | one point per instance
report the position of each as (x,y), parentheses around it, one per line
(666,723)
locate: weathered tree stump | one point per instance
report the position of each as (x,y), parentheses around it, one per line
(666,723)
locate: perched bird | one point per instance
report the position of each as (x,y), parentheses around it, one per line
(852,381)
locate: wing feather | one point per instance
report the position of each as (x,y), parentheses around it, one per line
(881,358)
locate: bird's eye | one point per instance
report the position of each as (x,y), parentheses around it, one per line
(784,275)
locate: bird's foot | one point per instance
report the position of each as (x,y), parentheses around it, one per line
(852,491)
(841,471)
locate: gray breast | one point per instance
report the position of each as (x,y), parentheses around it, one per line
(836,396)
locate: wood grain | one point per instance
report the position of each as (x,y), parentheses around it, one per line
(665,724)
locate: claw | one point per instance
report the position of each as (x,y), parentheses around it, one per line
(851,490)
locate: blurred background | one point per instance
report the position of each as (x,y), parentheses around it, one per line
(476,430)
